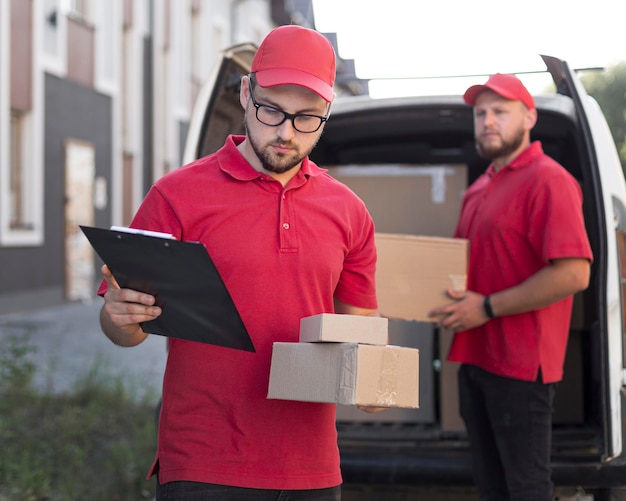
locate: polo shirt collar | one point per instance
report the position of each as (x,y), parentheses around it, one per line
(233,162)
(525,158)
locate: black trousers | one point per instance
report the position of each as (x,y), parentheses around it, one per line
(509,424)
(196,491)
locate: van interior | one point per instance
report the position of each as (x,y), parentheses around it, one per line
(411,163)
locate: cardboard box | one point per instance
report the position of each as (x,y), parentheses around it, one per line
(414,272)
(336,328)
(345,373)
(418,335)
(427,198)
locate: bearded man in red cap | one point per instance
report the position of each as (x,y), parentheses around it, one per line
(529,253)
(289,241)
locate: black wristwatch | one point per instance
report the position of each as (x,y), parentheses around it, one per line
(487,306)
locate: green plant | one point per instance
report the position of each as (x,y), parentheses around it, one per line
(16,369)
(96,442)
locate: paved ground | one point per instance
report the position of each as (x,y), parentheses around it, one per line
(70,345)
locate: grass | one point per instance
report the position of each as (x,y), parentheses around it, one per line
(96,442)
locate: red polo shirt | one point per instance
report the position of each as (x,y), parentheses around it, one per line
(517,220)
(283,254)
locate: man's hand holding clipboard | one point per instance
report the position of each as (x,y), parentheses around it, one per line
(176,279)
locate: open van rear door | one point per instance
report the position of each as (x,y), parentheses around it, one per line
(606,190)
(217,112)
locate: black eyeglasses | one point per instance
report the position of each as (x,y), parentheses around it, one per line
(268,115)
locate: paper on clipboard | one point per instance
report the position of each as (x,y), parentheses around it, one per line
(181,275)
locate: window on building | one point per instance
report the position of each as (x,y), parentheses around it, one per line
(20,217)
(21,150)
(77,9)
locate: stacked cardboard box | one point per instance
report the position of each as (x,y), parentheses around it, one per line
(345,359)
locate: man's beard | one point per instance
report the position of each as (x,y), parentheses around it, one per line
(277,164)
(491,152)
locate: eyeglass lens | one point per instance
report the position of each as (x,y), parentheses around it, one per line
(268,115)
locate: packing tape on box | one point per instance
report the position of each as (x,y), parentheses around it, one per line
(387,392)
(347,378)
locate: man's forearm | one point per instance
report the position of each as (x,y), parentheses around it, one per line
(551,284)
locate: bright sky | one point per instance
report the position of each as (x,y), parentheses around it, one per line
(396,39)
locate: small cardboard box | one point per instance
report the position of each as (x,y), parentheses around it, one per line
(337,328)
(413,274)
(345,373)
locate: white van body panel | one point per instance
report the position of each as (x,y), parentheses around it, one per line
(613,188)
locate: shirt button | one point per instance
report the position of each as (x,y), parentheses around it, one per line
(286,226)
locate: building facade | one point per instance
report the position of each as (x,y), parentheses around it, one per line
(95,101)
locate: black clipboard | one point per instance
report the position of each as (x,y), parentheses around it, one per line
(181,275)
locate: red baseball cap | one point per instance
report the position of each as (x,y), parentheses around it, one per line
(294,55)
(508,86)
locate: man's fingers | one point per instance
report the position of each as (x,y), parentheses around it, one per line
(370,409)
(455,294)
(108,276)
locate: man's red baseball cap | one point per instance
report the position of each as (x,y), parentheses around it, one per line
(294,55)
(507,86)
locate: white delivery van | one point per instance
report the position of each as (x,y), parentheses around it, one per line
(411,159)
